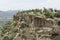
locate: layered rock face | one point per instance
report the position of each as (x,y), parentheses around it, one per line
(36,20)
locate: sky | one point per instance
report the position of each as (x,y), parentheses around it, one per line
(28,4)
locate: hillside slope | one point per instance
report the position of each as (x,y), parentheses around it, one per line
(25,27)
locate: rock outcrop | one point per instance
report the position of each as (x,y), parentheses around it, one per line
(47,25)
(36,20)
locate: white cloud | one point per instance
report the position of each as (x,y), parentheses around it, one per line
(52,4)
(28,4)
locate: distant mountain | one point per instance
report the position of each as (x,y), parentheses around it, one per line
(6,16)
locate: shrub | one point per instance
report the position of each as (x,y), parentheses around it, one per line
(59,22)
(6,38)
(56,38)
(57,15)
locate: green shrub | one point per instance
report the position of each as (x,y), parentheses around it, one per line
(6,38)
(59,22)
(56,38)
(57,15)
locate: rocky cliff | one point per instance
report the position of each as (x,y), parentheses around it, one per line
(46,26)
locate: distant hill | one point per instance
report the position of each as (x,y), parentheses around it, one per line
(6,15)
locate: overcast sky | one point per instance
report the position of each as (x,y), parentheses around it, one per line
(28,4)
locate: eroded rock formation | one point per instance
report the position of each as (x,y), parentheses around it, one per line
(37,20)
(48,25)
